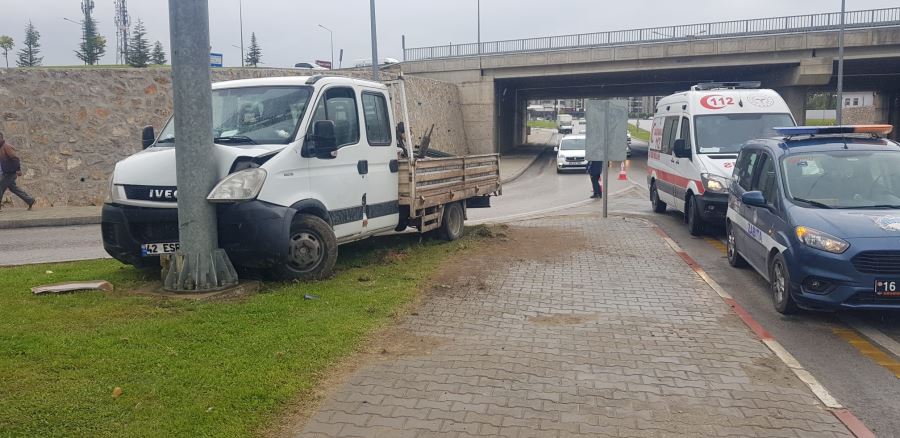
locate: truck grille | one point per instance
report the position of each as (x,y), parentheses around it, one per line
(574,159)
(152,193)
(878,262)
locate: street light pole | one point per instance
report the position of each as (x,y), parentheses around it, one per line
(199,265)
(479,27)
(375,75)
(241,18)
(839,112)
(331,35)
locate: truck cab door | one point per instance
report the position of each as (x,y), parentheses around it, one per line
(339,181)
(382,208)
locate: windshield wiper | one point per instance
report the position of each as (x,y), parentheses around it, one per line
(814,203)
(863,207)
(167,140)
(237,139)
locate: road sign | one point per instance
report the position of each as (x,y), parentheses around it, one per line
(216,60)
(607,128)
(324,64)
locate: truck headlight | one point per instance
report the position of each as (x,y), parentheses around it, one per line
(714,183)
(820,240)
(239,186)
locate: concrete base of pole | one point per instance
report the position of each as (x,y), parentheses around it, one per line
(191,273)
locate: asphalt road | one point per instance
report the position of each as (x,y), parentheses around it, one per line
(52,244)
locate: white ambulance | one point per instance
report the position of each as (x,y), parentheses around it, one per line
(695,140)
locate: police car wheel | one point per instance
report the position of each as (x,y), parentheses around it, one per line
(692,215)
(312,251)
(781,287)
(658,205)
(734,258)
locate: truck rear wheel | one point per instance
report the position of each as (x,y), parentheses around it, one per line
(312,251)
(452,223)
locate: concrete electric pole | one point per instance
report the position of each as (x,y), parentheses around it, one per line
(375,75)
(200,265)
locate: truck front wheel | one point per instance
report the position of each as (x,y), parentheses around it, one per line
(312,250)
(453,222)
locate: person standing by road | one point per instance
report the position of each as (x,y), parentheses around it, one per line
(11,169)
(595,170)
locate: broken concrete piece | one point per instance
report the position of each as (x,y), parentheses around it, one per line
(72,287)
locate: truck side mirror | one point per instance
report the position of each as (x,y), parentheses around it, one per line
(680,149)
(324,139)
(148,137)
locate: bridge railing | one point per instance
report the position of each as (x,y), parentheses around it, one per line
(722,29)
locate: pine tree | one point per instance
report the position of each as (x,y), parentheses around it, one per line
(7,44)
(254,53)
(28,56)
(158,57)
(93,45)
(138,47)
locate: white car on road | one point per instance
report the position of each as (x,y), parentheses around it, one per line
(570,153)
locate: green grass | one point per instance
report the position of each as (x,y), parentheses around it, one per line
(638,133)
(820,122)
(222,368)
(548,124)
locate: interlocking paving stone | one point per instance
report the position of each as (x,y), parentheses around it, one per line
(615,338)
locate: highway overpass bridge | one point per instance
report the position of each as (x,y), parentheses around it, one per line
(794,55)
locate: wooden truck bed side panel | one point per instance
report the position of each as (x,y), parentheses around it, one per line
(442,180)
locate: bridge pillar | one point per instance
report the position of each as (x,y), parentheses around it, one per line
(795,97)
(477,99)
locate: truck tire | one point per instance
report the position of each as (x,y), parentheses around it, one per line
(312,251)
(452,223)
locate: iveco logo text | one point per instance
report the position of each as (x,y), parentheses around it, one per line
(163,194)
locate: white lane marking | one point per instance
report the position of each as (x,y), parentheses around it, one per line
(818,389)
(874,335)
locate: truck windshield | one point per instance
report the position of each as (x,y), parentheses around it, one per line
(844,179)
(572,144)
(253,115)
(725,133)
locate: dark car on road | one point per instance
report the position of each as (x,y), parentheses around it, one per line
(817,213)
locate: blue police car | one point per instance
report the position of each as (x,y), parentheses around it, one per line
(817,213)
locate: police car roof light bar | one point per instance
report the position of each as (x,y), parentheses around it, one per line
(876,130)
(726,85)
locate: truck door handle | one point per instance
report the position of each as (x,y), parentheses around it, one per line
(362,166)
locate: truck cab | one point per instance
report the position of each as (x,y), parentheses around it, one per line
(304,164)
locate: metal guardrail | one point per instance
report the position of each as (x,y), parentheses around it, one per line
(723,29)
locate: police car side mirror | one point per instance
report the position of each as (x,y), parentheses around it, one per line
(148,137)
(680,149)
(754,199)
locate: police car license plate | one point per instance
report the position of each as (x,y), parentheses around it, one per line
(156,249)
(887,288)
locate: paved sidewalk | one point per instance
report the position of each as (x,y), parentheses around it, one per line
(48,217)
(611,335)
(515,164)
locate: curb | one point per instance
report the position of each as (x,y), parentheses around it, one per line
(9,224)
(844,415)
(524,169)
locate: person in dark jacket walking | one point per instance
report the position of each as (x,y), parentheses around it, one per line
(595,170)
(11,169)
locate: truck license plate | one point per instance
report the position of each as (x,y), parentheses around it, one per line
(157,249)
(887,288)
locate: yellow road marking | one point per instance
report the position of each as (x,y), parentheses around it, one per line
(867,349)
(717,244)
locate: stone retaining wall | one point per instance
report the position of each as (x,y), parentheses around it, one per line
(72,125)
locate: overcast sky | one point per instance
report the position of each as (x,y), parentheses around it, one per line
(288,30)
